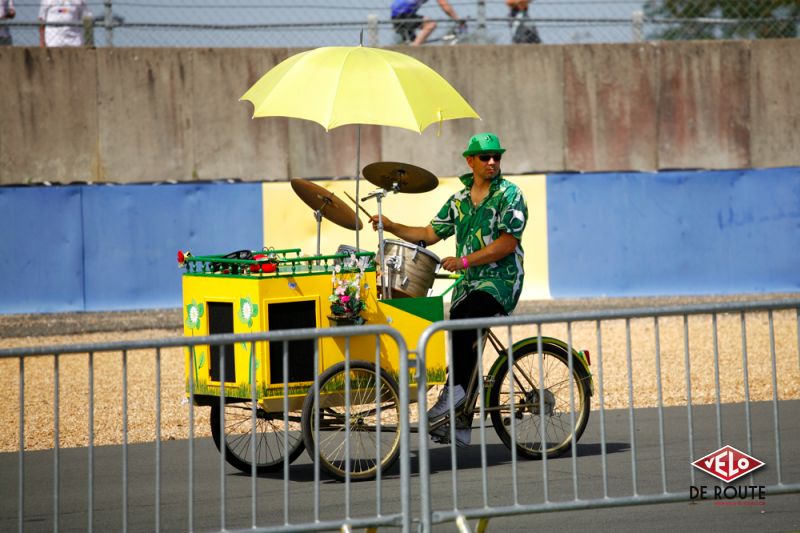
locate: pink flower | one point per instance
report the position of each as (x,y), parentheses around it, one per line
(345,299)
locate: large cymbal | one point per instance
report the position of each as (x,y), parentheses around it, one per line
(400,177)
(331,207)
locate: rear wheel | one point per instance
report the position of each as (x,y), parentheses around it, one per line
(348,435)
(543,408)
(270,449)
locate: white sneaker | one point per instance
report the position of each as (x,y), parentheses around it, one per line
(441,435)
(442,405)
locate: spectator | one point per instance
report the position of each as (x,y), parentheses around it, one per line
(6,12)
(53,12)
(522,29)
(407,21)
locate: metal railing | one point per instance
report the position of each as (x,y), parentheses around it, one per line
(716,374)
(83,513)
(201,23)
(481,507)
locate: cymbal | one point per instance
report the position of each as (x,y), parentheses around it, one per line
(401,177)
(331,207)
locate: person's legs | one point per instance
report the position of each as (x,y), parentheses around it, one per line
(477,304)
(427,28)
(406,26)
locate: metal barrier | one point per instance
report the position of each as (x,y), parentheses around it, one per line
(650,442)
(497,497)
(265,499)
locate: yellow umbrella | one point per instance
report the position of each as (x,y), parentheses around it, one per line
(338,85)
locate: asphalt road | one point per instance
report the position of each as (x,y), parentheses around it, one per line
(276,506)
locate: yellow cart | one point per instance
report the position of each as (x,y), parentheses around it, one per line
(271,290)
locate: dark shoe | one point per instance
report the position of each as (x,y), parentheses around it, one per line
(442,405)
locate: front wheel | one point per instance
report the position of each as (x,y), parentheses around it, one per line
(358,414)
(271,430)
(543,407)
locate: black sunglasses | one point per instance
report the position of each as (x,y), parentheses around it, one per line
(486,157)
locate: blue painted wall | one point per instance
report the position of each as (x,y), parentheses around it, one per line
(113,247)
(681,232)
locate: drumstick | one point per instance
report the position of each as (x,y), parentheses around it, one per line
(358,204)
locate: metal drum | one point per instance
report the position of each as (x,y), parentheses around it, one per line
(346,249)
(410,269)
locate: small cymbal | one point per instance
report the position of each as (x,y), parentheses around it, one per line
(401,177)
(331,207)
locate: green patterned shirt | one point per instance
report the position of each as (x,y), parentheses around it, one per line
(503,210)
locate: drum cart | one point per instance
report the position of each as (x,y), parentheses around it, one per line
(276,290)
(541,407)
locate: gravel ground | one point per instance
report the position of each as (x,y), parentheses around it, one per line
(110,409)
(55,324)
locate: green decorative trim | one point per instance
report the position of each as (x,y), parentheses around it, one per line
(232,390)
(217,265)
(428,308)
(276,391)
(438,375)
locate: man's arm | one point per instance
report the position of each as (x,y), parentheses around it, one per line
(447,8)
(412,234)
(504,245)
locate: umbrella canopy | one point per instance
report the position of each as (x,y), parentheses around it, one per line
(339,85)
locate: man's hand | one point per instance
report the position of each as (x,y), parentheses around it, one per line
(452,264)
(387,224)
(504,245)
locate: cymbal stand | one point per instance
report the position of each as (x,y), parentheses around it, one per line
(380,194)
(318,217)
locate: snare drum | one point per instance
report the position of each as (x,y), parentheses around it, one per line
(410,269)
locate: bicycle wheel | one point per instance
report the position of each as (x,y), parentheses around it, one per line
(270,430)
(540,426)
(354,431)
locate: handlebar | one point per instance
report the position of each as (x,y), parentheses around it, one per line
(456,277)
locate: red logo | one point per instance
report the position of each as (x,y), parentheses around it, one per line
(727,464)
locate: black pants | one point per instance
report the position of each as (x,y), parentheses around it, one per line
(465,353)
(406,25)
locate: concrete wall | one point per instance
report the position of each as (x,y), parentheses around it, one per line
(141,115)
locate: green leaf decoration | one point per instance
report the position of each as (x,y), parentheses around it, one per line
(247,310)
(194,312)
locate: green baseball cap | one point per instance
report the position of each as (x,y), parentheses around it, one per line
(484,143)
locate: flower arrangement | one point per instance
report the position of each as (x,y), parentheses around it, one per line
(346,299)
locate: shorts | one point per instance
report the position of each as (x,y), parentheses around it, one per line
(406,25)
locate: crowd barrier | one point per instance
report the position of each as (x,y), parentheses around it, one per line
(640,445)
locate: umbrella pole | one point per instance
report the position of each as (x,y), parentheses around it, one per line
(358,175)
